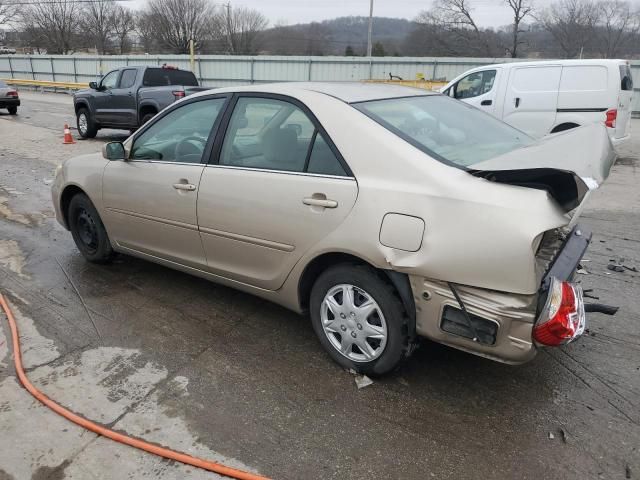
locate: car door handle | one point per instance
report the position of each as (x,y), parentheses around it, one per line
(517,102)
(486,102)
(189,187)
(320,202)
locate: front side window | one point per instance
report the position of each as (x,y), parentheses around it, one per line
(475,84)
(109,80)
(450,131)
(181,135)
(128,78)
(269,134)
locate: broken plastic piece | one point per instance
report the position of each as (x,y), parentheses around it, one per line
(363,381)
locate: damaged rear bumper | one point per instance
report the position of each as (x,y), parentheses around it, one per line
(502,322)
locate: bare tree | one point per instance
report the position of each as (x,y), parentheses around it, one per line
(97,22)
(52,25)
(521,9)
(457,28)
(571,23)
(8,12)
(617,25)
(123,25)
(175,22)
(241,28)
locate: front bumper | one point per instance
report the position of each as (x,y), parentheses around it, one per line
(9,102)
(502,321)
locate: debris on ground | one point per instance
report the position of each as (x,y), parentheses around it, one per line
(582,270)
(551,435)
(363,381)
(615,268)
(563,435)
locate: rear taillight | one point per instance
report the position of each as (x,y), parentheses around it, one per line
(611,118)
(178,94)
(12,93)
(562,319)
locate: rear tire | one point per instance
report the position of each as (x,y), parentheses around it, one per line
(13,110)
(147,117)
(87,127)
(372,318)
(88,231)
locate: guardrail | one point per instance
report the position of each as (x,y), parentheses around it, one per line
(425,84)
(44,83)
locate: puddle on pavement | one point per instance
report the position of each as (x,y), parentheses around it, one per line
(11,257)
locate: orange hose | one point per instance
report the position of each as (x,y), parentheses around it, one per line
(106,432)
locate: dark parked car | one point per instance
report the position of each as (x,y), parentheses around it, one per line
(128,97)
(9,98)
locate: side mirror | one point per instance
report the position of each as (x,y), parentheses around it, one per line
(114,151)
(93,85)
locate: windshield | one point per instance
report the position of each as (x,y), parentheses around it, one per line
(446,129)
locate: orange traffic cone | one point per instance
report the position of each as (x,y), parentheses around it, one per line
(67,135)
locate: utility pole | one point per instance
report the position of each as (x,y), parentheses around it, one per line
(369,46)
(229,27)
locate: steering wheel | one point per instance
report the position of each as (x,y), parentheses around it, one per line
(190,146)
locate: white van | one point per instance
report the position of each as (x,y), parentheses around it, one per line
(551,96)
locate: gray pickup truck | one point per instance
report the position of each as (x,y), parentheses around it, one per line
(128,97)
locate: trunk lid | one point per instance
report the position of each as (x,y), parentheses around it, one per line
(568,165)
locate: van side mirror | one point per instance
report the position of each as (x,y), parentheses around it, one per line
(114,151)
(93,85)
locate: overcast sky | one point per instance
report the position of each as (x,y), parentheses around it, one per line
(489,13)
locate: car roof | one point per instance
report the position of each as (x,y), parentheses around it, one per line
(594,61)
(349,92)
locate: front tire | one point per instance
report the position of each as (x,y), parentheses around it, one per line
(359,319)
(87,127)
(13,110)
(88,231)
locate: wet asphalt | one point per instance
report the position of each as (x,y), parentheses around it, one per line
(206,367)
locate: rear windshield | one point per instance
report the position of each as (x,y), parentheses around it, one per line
(448,130)
(158,77)
(626,80)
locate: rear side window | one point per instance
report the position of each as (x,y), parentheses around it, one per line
(128,78)
(2,84)
(322,160)
(158,77)
(626,80)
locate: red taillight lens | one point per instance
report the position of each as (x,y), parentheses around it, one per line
(611,118)
(178,94)
(12,93)
(563,318)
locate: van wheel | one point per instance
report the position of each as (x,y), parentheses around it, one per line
(88,231)
(359,319)
(87,128)
(13,110)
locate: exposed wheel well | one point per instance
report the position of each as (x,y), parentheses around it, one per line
(400,281)
(78,106)
(564,126)
(65,199)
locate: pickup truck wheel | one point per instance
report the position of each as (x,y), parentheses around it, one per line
(13,110)
(359,319)
(147,117)
(87,230)
(86,126)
